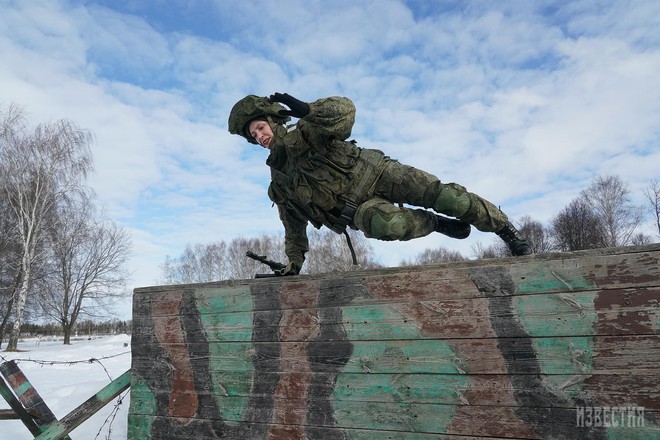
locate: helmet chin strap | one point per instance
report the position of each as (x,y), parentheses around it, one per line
(279,129)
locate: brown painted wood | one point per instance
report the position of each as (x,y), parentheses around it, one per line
(8,414)
(28,396)
(480,390)
(288,432)
(622,355)
(506,348)
(18,409)
(620,312)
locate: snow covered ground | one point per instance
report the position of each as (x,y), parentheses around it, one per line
(64,386)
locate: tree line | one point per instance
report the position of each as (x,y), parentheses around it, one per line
(226,260)
(61,259)
(603,215)
(85,328)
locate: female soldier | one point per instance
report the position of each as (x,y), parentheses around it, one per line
(318,176)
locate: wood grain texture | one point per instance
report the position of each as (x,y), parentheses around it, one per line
(510,348)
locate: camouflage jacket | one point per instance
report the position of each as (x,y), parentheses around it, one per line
(314,170)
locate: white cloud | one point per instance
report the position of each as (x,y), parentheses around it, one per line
(520,102)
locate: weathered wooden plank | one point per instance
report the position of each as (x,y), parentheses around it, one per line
(419,418)
(28,396)
(59,430)
(617,312)
(565,355)
(450,281)
(139,425)
(8,414)
(480,390)
(17,408)
(429,418)
(500,348)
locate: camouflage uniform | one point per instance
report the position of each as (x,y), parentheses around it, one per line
(316,173)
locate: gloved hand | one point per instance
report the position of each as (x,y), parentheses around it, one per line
(290,269)
(298,108)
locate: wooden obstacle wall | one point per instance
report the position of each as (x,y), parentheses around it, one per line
(552,346)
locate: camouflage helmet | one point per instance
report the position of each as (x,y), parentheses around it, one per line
(252,107)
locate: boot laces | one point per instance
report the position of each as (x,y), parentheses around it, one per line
(509,233)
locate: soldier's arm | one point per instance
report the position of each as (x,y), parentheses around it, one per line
(296,244)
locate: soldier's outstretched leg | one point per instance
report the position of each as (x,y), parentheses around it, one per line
(453,199)
(514,239)
(406,184)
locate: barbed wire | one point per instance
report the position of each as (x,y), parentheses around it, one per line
(83,361)
(120,400)
(111,417)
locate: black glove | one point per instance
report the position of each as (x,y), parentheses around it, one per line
(298,109)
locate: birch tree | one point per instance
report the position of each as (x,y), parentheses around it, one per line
(38,167)
(239,267)
(329,252)
(609,198)
(8,272)
(200,263)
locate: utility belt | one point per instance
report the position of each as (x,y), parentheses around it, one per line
(371,161)
(345,217)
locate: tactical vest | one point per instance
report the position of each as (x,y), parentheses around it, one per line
(323,184)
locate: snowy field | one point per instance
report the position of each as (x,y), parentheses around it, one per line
(65,386)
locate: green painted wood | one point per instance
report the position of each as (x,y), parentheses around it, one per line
(546,273)
(497,348)
(28,396)
(634,355)
(287,432)
(482,390)
(556,314)
(59,430)
(18,409)
(419,418)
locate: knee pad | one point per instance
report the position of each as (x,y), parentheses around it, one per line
(452,200)
(388,226)
(381,219)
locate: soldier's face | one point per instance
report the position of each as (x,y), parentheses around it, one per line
(261,132)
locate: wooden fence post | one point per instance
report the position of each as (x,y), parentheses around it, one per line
(59,430)
(28,396)
(17,407)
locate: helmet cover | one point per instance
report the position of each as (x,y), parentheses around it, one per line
(252,107)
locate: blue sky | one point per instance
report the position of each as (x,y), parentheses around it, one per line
(522,102)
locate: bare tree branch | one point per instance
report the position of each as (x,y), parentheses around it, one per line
(431,256)
(88,258)
(652,194)
(576,227)
(609,198)
(38,168)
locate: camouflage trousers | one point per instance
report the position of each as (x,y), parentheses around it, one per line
(382,217)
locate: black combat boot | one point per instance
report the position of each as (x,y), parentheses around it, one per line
(452,228)
(516,242)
